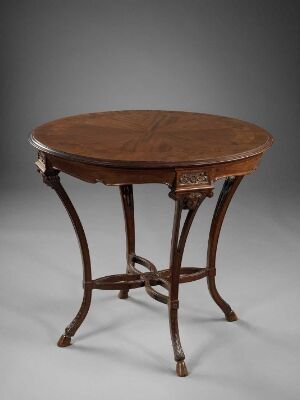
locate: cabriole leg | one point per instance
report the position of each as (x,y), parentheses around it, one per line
(126,193)
(52,179)
(228,190)
(190,201)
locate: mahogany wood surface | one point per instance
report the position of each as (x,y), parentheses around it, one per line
(150,138)
(187,152)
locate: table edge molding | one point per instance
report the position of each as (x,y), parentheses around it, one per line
(150,164)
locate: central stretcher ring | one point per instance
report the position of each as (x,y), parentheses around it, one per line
(136,278)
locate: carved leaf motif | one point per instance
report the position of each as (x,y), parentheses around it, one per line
(178,351)
(42,157)
(192,200)
(193,178)
(51,180)
(74,325)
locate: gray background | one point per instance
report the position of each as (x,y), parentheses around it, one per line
(237,58)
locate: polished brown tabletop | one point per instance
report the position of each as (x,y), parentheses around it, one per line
(186,151)
(150,138)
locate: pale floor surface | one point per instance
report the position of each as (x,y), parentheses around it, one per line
(123,348)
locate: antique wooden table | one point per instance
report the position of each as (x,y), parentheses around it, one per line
(186,151)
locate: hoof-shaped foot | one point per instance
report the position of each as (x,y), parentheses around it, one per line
(123,294)
(231,316)
(64,341)
(181,369)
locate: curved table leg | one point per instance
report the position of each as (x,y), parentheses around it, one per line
(52,179)
(191,202)
(228,190)
(126,193)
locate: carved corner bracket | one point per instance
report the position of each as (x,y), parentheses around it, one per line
(190,200)
(191,188)
(49,174)
(41,162)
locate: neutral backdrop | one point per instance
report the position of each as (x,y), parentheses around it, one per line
(237,58)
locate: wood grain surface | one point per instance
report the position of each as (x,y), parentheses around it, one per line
(150,139)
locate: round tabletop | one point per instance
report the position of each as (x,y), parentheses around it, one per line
(150,138)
